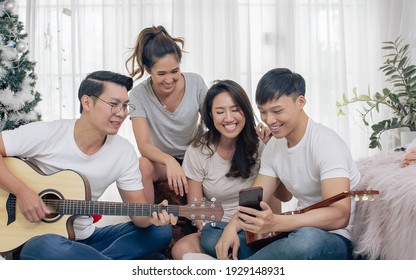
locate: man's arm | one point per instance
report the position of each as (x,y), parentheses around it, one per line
(272,187)
(333,217)
(28,201)
(337,215)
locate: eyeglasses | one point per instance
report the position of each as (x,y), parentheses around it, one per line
(118,107)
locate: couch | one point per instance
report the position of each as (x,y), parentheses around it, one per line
(385,228)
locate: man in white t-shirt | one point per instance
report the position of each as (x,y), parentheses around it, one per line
(89,146)
(313,163)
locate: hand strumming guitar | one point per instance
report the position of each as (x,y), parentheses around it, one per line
(31,205)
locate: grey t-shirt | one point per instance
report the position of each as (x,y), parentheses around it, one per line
(171,132)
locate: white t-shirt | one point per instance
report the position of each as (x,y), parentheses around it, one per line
(171,132)
(51,147)
(211,171)
(321,154)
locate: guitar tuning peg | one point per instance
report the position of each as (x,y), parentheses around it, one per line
(213,200)
(193,201)
(193,223)
(212,218)
(203,200)
(364,197)
(203,223)
(213,224)
(371,198)
(356,198)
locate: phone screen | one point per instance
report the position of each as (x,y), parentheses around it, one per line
(251,197)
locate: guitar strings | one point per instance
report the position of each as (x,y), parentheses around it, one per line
(115,208)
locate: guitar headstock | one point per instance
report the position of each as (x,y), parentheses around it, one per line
(208,211)
(363,195)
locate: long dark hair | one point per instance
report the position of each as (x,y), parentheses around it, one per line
(152,44)
(245,154)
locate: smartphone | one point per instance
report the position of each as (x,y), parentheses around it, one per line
(251,197)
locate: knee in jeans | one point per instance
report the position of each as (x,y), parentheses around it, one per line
(210,235)
(311,238)
(315,243)
(42,240)
(310,232)
(46,244)
(164,233)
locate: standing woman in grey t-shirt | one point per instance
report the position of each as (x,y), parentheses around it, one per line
(167,108)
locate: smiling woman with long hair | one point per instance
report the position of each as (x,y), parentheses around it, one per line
(223,158)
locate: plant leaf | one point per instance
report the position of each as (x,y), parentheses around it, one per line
(378,96)
(371,104)
(386,91)
(373,144)
(402,62)
(390,72)
(344,97)
(364,97)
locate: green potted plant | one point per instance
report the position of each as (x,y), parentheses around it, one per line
(399,96)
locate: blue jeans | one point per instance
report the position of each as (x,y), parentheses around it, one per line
(307,243)
(123,241)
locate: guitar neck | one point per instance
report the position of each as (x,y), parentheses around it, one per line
(81,207)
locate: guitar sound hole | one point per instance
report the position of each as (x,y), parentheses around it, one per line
(51,196)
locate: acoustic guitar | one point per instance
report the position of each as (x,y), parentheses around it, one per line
(67,194)
(262,239)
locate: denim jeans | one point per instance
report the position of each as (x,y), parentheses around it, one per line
(123,241)
(307,243)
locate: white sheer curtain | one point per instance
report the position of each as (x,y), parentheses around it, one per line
(334,44)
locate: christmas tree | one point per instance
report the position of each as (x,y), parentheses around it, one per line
(18,98)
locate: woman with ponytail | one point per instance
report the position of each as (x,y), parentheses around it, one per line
(167,108)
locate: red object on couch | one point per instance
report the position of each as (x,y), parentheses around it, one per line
(96,218)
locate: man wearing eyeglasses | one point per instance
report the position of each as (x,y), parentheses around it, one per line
(89,146)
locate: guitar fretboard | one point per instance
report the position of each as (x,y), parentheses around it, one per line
(81,207)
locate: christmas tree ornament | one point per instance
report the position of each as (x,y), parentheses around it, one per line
(9,6)
(21,47)
(11,44)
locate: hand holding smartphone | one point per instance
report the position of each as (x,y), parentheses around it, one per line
(251,197)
